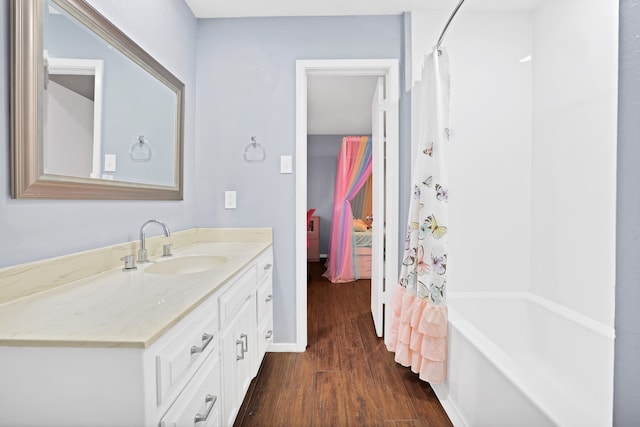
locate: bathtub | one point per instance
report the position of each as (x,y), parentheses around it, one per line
(516,359)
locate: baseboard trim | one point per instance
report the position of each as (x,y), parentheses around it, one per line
(452,412)
(285,348)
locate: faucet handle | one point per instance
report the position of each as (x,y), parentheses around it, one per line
(129,263)
(166,249)
(142,255)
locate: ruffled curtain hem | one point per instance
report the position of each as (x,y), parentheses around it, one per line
(418,335)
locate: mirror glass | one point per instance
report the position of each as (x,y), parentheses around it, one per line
(95,115)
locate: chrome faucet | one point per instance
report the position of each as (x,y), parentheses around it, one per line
(142,252)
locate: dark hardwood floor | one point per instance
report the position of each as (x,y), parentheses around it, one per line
(345,378)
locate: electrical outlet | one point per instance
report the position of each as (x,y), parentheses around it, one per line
(229,199)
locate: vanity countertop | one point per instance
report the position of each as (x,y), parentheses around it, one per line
(115,308)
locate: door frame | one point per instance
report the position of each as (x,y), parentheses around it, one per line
(389,70)
(86,67)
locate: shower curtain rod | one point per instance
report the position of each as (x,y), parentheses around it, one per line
(447,24)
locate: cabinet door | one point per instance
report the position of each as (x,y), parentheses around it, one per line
(248,332)
(239,350)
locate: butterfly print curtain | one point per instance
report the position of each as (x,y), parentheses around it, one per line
(352,173)
(419,321)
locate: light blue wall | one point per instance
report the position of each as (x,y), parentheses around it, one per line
(322,157)
(626,405)
(246,86)
(37,229)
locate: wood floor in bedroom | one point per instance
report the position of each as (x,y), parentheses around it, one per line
(345,378)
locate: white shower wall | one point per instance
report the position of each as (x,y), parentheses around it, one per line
(575,53)
(490,150)
(532,157)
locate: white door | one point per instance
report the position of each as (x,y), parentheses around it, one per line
(377,249)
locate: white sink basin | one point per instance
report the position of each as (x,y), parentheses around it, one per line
(186,264)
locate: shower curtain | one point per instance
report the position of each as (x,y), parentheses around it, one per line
(419,321)
(352,172)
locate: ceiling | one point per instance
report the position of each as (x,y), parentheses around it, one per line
(340,105)
(246,8)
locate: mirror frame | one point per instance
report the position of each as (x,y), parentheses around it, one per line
(27,85)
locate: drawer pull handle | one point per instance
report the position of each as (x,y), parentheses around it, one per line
(269,298)
(269,335)
(210,400)
(267,266)
(206,340)
(245,345)
(241,350)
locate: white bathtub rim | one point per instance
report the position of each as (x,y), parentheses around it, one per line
(558,406)
(552,402)
(579,318)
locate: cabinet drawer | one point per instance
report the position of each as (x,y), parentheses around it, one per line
(177,361)
(265,299)
(265,337)
(238,292)
(264,264)
(200,403)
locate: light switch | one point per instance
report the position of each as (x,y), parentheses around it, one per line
(229,199)
(286,164)
(109,162)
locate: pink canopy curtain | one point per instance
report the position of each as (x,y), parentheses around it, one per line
(352,172)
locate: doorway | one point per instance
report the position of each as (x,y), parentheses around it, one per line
(73,116)
(387,165)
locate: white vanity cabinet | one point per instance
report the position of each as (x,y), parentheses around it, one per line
(196,372)
(119,385)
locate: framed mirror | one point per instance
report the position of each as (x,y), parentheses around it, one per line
(93,115)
